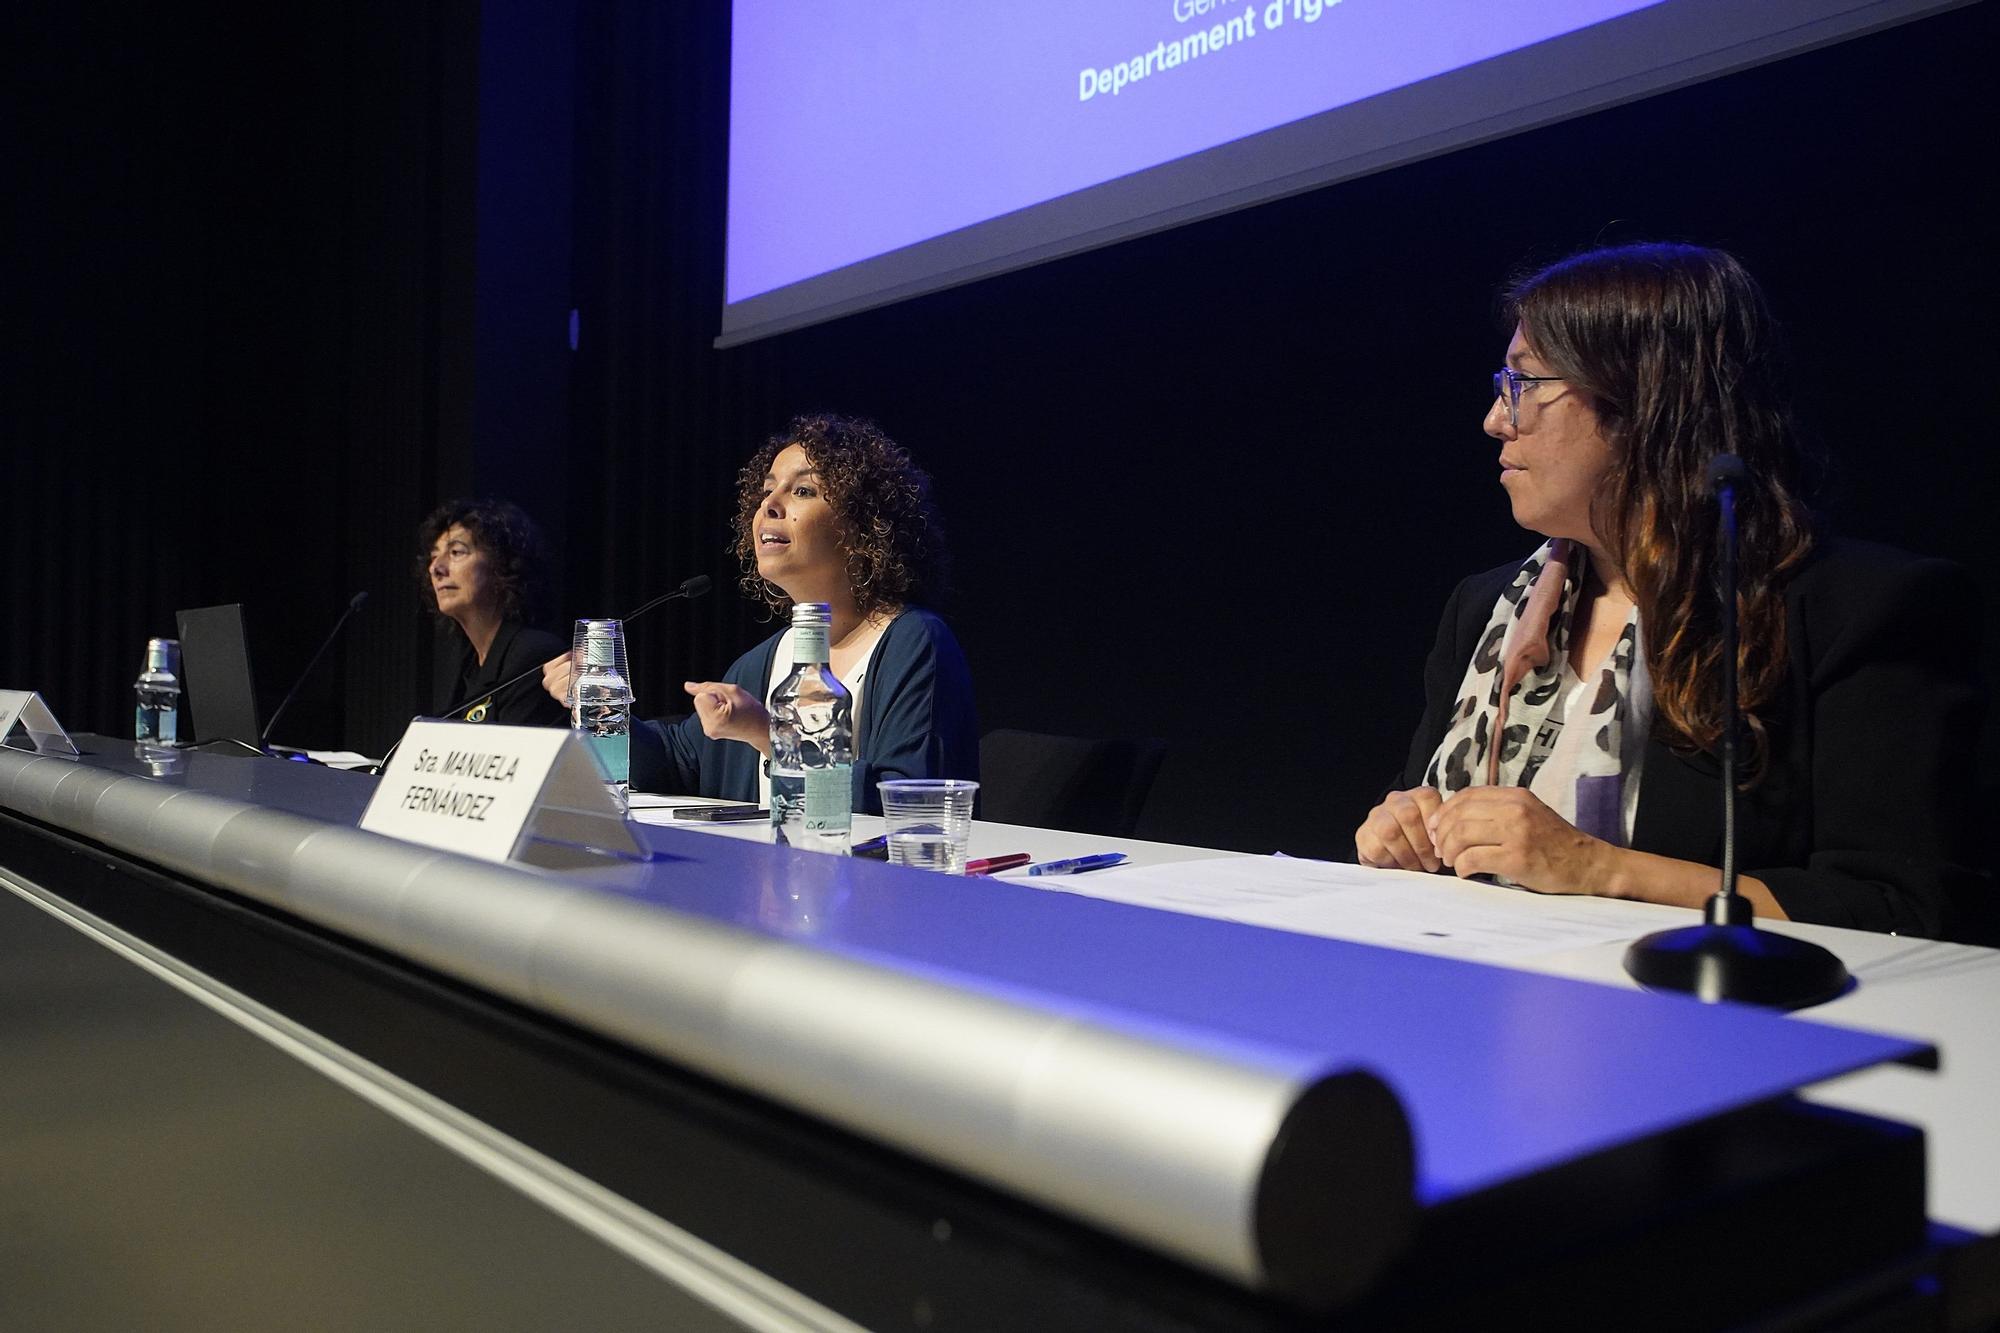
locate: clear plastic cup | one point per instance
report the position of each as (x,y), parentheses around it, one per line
(579,654)
(928,821)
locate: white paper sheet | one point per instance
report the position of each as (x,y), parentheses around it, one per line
(339,758)
(1396,908)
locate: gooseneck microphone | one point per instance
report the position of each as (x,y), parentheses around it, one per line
(1727,957)
(689,589)
(354,603)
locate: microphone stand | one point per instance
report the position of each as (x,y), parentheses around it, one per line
(1727,957)
(354,604)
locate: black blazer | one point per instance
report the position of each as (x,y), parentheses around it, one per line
(515,648)
(1865,813)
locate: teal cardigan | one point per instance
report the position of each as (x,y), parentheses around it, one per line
(917,721)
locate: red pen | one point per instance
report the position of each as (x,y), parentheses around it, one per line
(987,865)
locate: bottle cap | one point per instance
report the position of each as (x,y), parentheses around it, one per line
(812,614)
(163,655)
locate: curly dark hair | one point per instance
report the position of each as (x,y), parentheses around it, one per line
(516,557)
(1680,355)
(888,528)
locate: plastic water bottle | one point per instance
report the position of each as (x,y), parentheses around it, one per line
(159,691)
(603,707)
(812,742)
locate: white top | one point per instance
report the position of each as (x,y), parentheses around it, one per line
(781,666)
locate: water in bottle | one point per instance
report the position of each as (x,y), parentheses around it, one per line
(812,742)
(603,707)
(159,691)
(788,794)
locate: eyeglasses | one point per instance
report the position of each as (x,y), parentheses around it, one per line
(1507,385)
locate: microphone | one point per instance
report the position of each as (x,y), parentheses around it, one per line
(354,603)
(1727,957)
(689,589)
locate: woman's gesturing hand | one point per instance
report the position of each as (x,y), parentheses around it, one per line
(1508,831)
(1396,833)
(555,678)
(730,713)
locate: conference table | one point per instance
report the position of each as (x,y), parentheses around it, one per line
(1947,994)
(894,1104)
(1944,993)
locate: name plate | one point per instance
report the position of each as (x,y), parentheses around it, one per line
(500,794)
(27,724)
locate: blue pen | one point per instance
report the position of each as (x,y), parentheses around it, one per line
(1076,865)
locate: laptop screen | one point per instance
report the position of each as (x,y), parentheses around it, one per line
(215,660)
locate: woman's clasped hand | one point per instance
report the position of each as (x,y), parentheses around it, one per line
(1505,832)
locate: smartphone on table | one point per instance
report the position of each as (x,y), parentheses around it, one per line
(722,814)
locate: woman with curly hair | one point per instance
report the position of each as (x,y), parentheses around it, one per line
(1575,700)
(829,510)
(482,570)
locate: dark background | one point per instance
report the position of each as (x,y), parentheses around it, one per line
(283,277)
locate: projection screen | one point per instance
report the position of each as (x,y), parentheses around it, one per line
(880,149)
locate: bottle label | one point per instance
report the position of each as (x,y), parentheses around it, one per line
(614,755)
(829,799)
(809,644)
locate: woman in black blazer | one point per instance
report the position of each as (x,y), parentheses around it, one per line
(482,567)
(1574,701)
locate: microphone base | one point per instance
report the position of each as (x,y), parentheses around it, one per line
(1726,958)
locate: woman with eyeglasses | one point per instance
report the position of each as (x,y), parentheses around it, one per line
(830,510)
(1574,700)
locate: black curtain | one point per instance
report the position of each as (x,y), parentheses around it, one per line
(230,376)
(660,422)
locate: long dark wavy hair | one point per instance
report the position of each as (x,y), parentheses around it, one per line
(516,558)
(888,526)
(1677,350)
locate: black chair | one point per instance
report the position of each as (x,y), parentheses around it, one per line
(1066,782)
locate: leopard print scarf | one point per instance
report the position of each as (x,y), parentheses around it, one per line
(1497,735)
